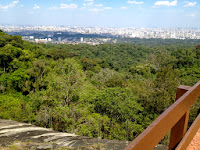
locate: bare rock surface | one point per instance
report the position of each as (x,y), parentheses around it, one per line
(26,136)
(32,137)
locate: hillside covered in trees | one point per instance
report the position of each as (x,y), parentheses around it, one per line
(111,91)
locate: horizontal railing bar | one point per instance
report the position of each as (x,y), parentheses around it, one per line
(189,134)
(152,135)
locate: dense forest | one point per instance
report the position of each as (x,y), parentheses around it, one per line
(111,91)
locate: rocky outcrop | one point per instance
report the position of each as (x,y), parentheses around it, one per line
(27,136)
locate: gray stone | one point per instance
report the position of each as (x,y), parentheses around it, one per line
(32,137)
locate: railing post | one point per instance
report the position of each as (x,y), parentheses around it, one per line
(180,128)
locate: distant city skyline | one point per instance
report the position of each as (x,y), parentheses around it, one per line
(27,32)
(111,13)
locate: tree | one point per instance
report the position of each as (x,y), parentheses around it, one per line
(17,41)
(108,77)
(165,84)
(7,54)
(118,103)
(63,83)
(88,64)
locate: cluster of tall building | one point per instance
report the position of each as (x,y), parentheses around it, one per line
(129,32)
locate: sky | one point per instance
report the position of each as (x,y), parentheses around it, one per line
(101,13)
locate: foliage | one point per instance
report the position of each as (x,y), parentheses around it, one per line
(109,91)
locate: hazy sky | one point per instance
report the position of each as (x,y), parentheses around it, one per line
(112,13)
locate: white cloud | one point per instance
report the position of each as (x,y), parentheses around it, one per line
(53,8)
(166,3)
(96,10)
(64,6)
(89,0)
(135,2)
(88,4)
(123,7)
(70,6)
(11,5)
(107,8)
(36,6)
(99,5)
(190,4)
